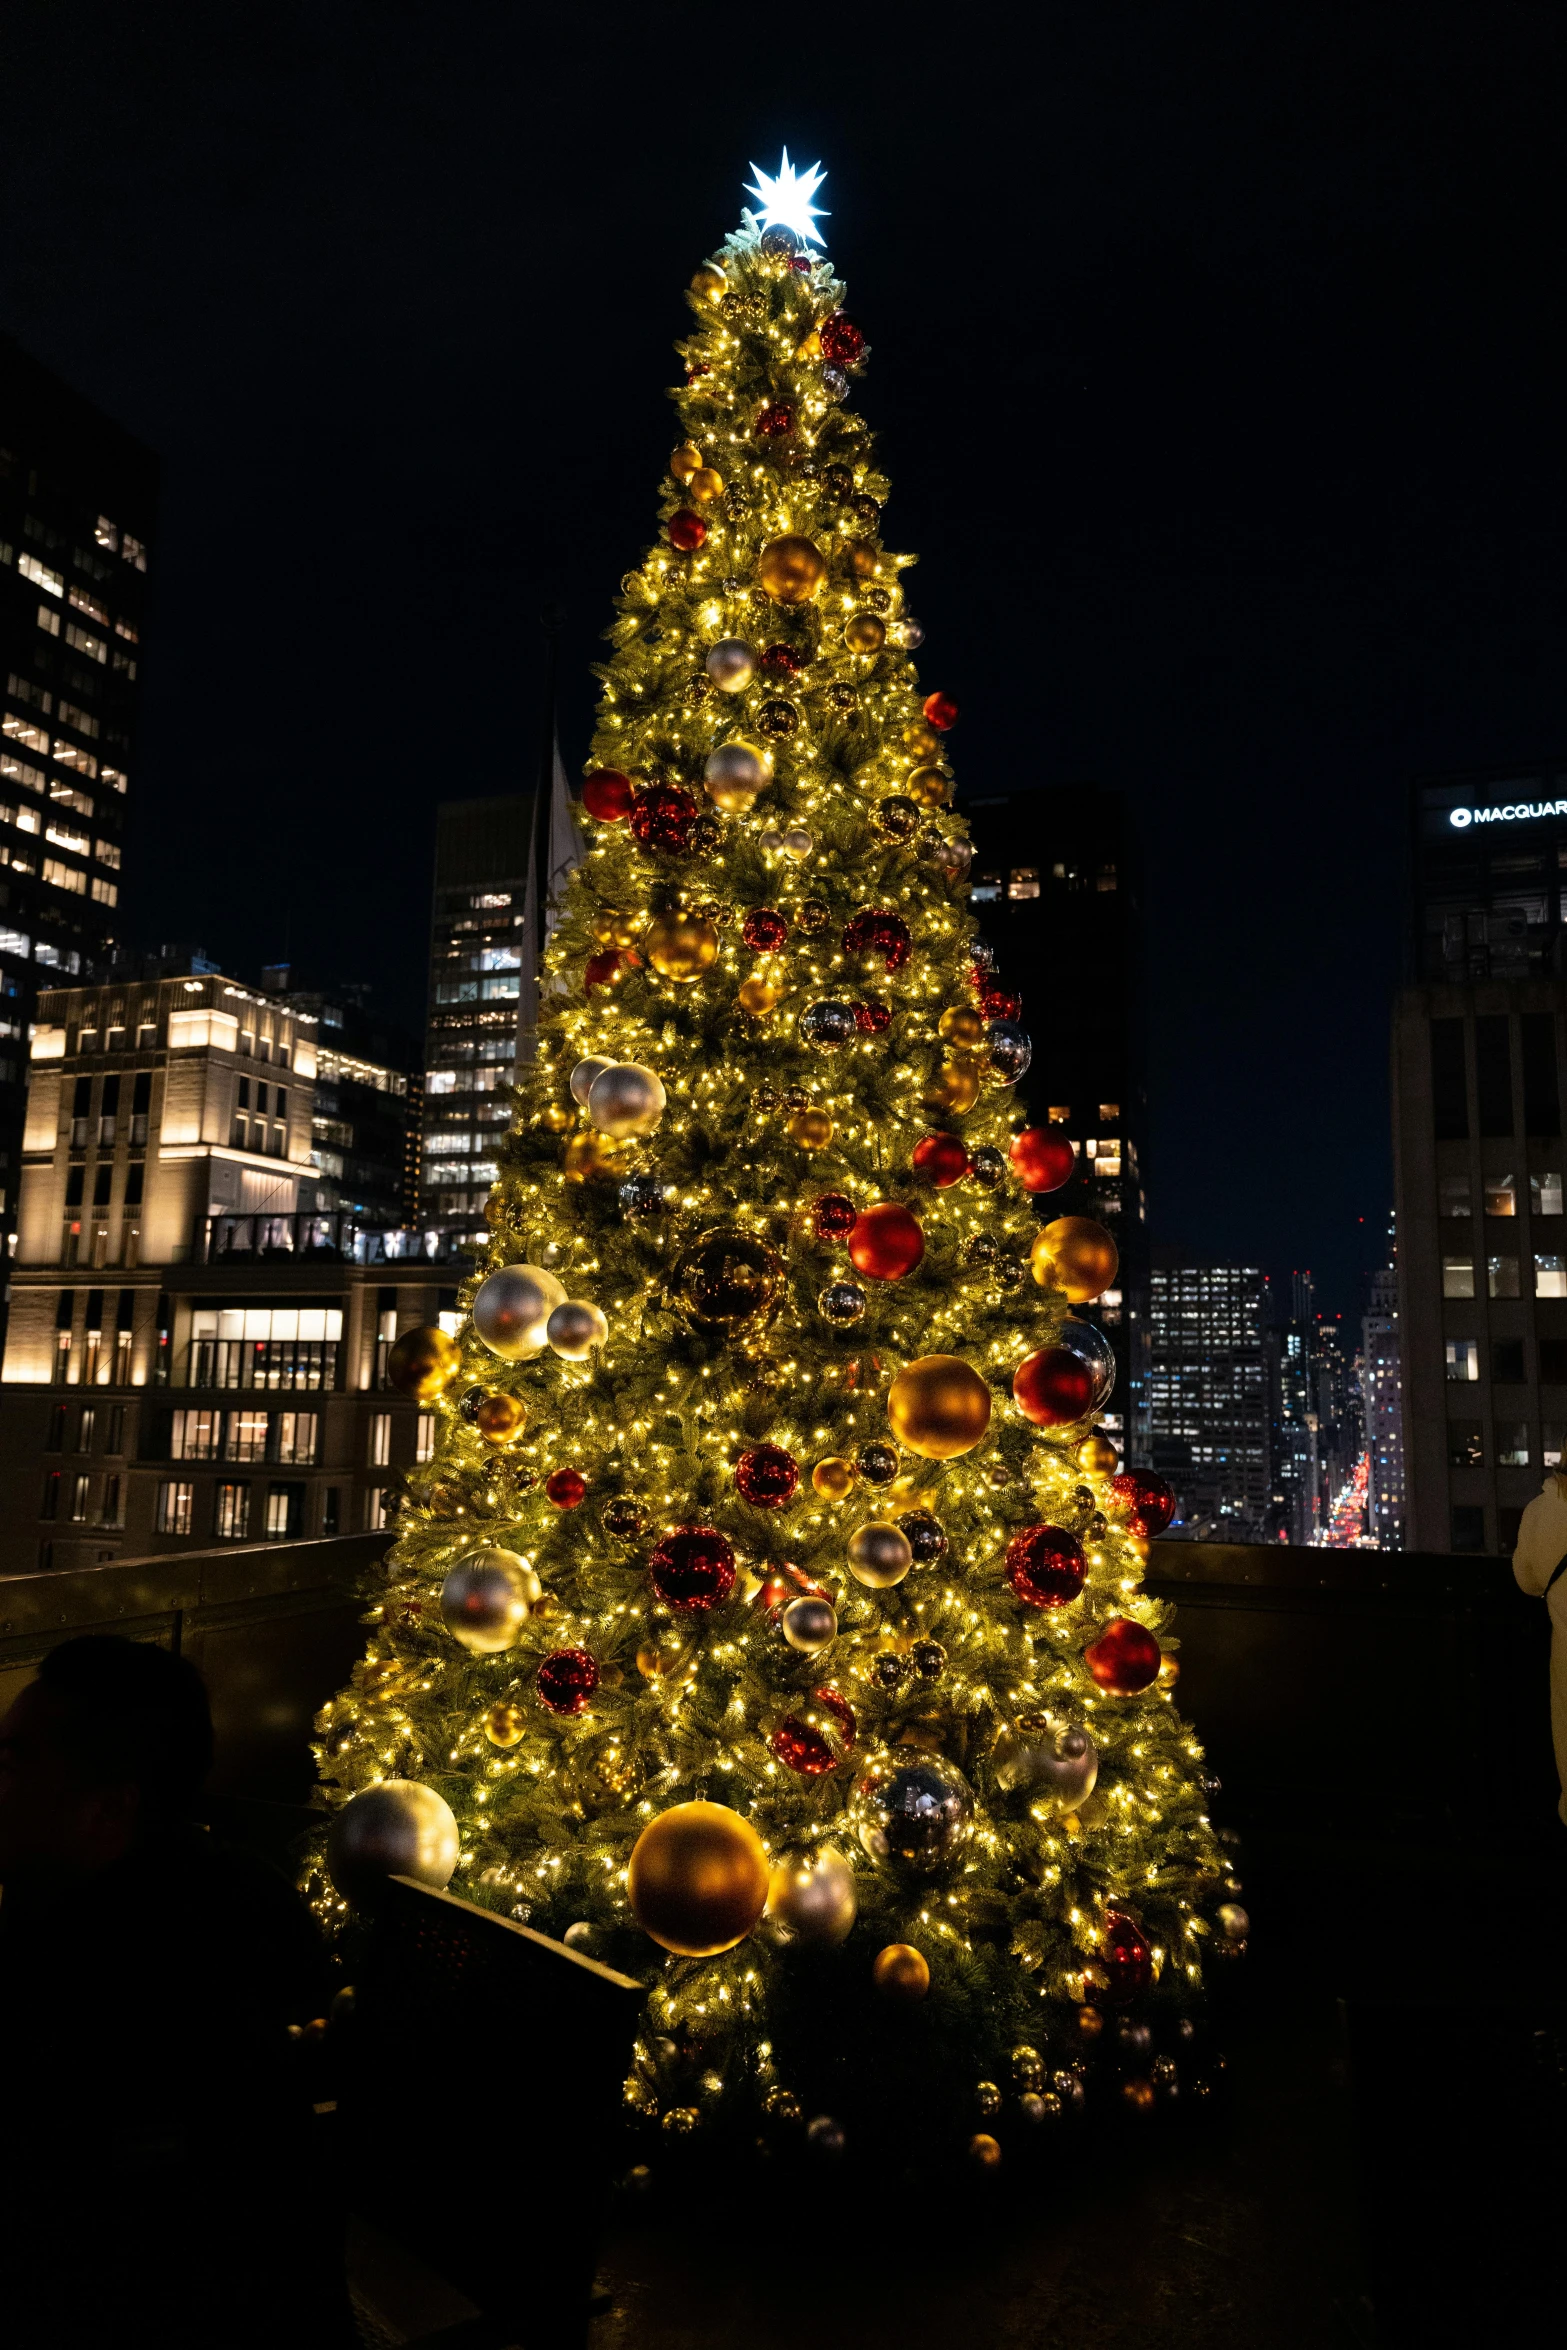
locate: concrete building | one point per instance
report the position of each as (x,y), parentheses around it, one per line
(1209,1417)
(77,497)
(197,1345)
(1382,1393)
(361,1141)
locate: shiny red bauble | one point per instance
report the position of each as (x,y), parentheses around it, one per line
(834,1216)
(1046,1566)
(662,817)
(1053,1387)
(1042,1158)
(941,711)
(566,1488)
(1148,1502)
(941,1159)
(877,932)
(607,794)
(599,970)
(1125,1657)
(764,930)
(566,1680)
(767,1476)
(776,419)
(1126,1956)
(782,661)
(872,1018)
(995,1001)
(774,1591)
(804,1748)
(886,1242)
(693,1568)
(686,531)
(841,340)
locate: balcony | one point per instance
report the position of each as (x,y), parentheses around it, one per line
(284,1366)
(337,1238)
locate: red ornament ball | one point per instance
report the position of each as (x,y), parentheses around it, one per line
(599,970)
(872,1018)
(841,340)
(767,1476)
(1125,1657)
(686,531)
(662,817)
(805,1748)
(886,1242)
(1126,1955)
(566,1680)
(1053,1387)
(764,930)
(834,1216)
(1149,1503)
(775,1591)
(566,1488)
(607,794)
(1042,1158)
(995,1001)
(877,932)
(941,711)
(1046,1566)
(782,661)
(776,419)
(940,1159)
(693,1568)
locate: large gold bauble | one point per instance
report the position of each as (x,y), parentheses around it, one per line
(423,1363)
(939,1406)
(728,1277)
(953,1090)
(681,946)
(864,633)
(962,1027)
(706,484)
(927,787)
(834,1477)
(791,569)
(591,1154)
(757,996)
(1077,1255)
(505,1724)
(500,1418)
(711,282)
(1098,1455)
(616,930)
(899,1971)
(862,558)
(811,1129)
(686,461)
(697,1879)
(922,740)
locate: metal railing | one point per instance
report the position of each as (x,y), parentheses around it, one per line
(282,1365)
(334,1236)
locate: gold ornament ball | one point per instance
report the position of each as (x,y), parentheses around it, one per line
(834,1477)
(1169,1670)
(984,2152)
(864,633)
(939,1407)
(901,1972)
(423,1363)
(961,1026)
(757,996)
(812,1895)
(504,1724)
(880,1555)
(791,569)
(556,1117)
(706,484)
(812,1129)
(697,1879)
(711,283)
(922,740)
(953,1090)
(862,558)
(1098,1455)
(500,1418)
(681,946)
(1076,1254)
(591,1154)
(686,461)
(927,787)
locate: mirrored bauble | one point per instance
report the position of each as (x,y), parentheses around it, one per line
(827,1025)
(736,775)
(835,383)
(397,1828)
(486,1598)
(914,1809)
(911,634)
(841,1304)
(1046,1757)
(1011,1052)
(1090,1346)
(927,1537)
(812,1897)
(583,1074)
(731,664)
(625,1099)
(878,1463)
(777,718)
(897,818)
(575,1329)
(798,842)
(624,1519)
(727,1278)
(512,1307)
(988,1167)
(880,1555)
(809,1624)
(643,1197)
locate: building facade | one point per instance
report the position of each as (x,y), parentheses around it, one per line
(1381,1386)
(360,1143)
(1209,1404)
(197,1345)
(1056,889)
(1488,859)
(77,498)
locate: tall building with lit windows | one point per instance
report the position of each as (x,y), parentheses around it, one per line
(482,853)
(199,1329)
(1209,1404)
(77,498)
(1381,1384)
(1057,890)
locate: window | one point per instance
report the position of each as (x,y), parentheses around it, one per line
(54,1440)
(245,1437)
(297,1437)
(80,601)
(331,1509)
(1552,1433)
(1545,1194)
(86,1427)
(1507,1361)
(1553,1362)
(231,1513)
(1501,1197)
(1512,1445)
(106,534)
(1023,882)
(52,582)
(1105,878)
(104,893)
(377,1517)
(1449,1095)
(67,755)
(49,1507)
(174,1504)
(133,550)
(195,1436)
(65,876)
(114,1433)
(285,1512)
(1463,1358)
(1458,1277)
(81,1493)
(1502,1276)
(1468,1527)
(1541,1107)
(1465,1448)
(424,1444)
(83,721)
(48,620)
(1550,1276)
(20,730)
(109,1515)
(83,641)
(380,1439)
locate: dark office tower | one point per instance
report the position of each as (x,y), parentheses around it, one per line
(1490,868)
(1293,1513)
(360,1130)
(1056,888)
(1209,1395)
(76,511)
(482,850)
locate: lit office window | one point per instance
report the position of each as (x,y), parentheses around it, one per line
(1458,1277)
(1501,1195)
(81,1488)
(424,1448)
(377,1517)
(231,1517)
(1550,1276)
(81,601)
(245,1438)
(195,1436)
(174,1504)
(52,582)
(21,730)
(106,853)
(82,640)
(1463,1358)
(1465,1445)
(380,1439)
(1545,1194)
(298,1436)
(1023,881)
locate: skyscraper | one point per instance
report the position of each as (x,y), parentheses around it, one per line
(1381,1389)
(1056,889)
(77,497)
(1209,1432)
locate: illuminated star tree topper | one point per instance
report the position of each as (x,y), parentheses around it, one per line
(786,198)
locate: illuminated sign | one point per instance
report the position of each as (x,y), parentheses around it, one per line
(1515,812)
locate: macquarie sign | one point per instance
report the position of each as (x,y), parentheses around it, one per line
(1508,812)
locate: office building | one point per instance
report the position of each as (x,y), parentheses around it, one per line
(1294,1513)
(1489,866)
(1381,1393)
(361,1143)
(1208,1404)
(77,497)
(197,1345)
(1056,888)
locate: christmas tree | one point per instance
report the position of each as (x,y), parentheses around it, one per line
(768,1621)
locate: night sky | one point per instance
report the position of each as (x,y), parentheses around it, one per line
(1218,368)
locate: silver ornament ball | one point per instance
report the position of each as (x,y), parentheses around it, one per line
(811,1896)
(512,1307)
(626,1099)
(582,1076)
(987,1167)
(826,2136)
(798,842)
(737,767)
(913,1808)
(827,1025)
(841,1303)
(575,1329)
(1011,1052)
(880,1555)
(1091,1347)
(911,634)
(1056,1759)
(810,1624)
(731,664)
(642,1197)
(486,1598)
(395,1829)
(1233,1922)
